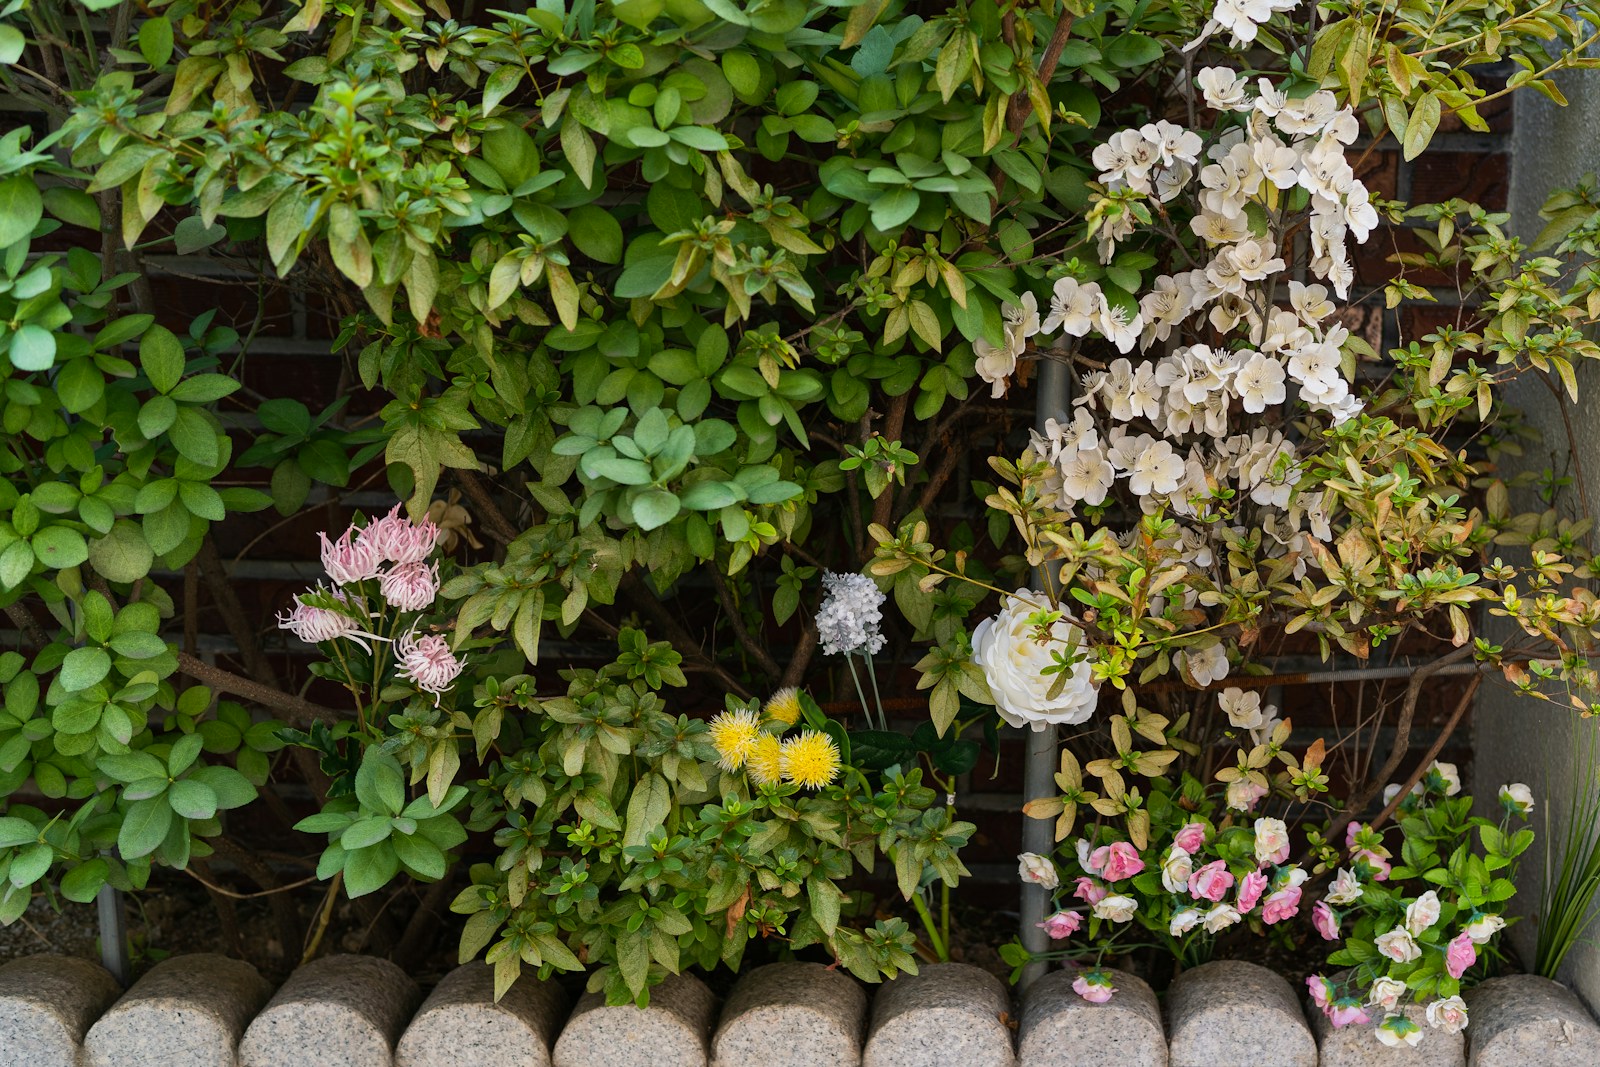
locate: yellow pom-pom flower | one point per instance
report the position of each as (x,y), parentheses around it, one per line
(735,735)
(784,706)
(811,759)
(765,762)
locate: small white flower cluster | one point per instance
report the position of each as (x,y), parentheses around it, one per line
(1241,18)
(849,619)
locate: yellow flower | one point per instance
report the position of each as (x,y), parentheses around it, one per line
(784,706)
(735,733)
(811,759)
(765,762)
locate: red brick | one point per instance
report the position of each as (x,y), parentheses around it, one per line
(1479,178)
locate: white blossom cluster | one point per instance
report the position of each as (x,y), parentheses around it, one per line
(850,616)
(1241,18)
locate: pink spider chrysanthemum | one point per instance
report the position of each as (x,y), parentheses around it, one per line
(349,559)
(426,662)
(410,586)
(314,625)
(397,539)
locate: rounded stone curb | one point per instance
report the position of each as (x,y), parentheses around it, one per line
(1061,1029)
(792,1015)
(339,1011)
(950,1013)
(187,1011)
(1358,1046)
(671,1032)
(1230,1011)
(47,1004)
(1523,1020)
(460,1025)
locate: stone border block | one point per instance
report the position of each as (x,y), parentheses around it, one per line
(1061,1029)
(949,1013)
(671,1032)
(47,1004)
(460,1025)
(792,1015)
(339,1011)
(187,1011)
(1522,1020)
(1230,1011)
(1358,1046)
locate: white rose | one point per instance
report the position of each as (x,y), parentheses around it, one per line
(1398,945)
(1175,870)
(1448,1014)
(1398,1030)
(1517,797)
(1220,917)
(1272,840)
(1452,777)
(1117,908)
(1184,920)
(1483,928)
(1422,912)
(1014,665)
(1386,993)
(1346,888)
(1037,870)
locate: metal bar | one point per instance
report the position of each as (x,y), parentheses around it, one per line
(113,917)
(1055,392)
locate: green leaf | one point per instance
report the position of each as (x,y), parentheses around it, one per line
(232,789)
(79,385)
(654,507)
(82,884)
(369,869)
(60,547)
(420,856)
(1132,50)
(33,348)
(72,206)
(144,827)
(192,799)
(121,555)
(21,208)
(895,208)
(83,667)
(380,783)
(11,44)
(194,437)
(15,831)
(1424,121)
(596,233)
(30,864)
(161,358)
(155,41)
(648,808)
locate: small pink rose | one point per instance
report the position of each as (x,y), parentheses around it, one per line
(1062,924)
(1251,886)
(1122,861)
(1321,991)
(1284,904)
(1350,833)
(1460,955)
(1378,864)
(1090,891)
(1325,921)
(1347,1011)
(1094,986)
(1192,838)
(1211,882)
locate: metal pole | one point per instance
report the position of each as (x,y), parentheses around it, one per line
(113,915)
(1038,773)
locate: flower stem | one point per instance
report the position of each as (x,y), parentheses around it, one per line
(866,709)
(941,948)
(872,673)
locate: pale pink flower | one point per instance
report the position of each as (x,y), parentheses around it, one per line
(1037,870)
(314,625)
(1284,904)
(1386,993)
(1184,920)
(1272,841)
(1398,945)
(1321,991)
(349,559)
(1176,869)
(1090,891)
(1192,838)
(399,540)
(1118,908)
(1449,1014)
(1346,1011)
(1251,886)
(1211,882)
(1379,864)
(1325,921)
(1484,927)
(1423,912)
(410,586)
(1116,861)
(1062,924)
(1243,794)
(1094,986)
(426,662)
(1460,955)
